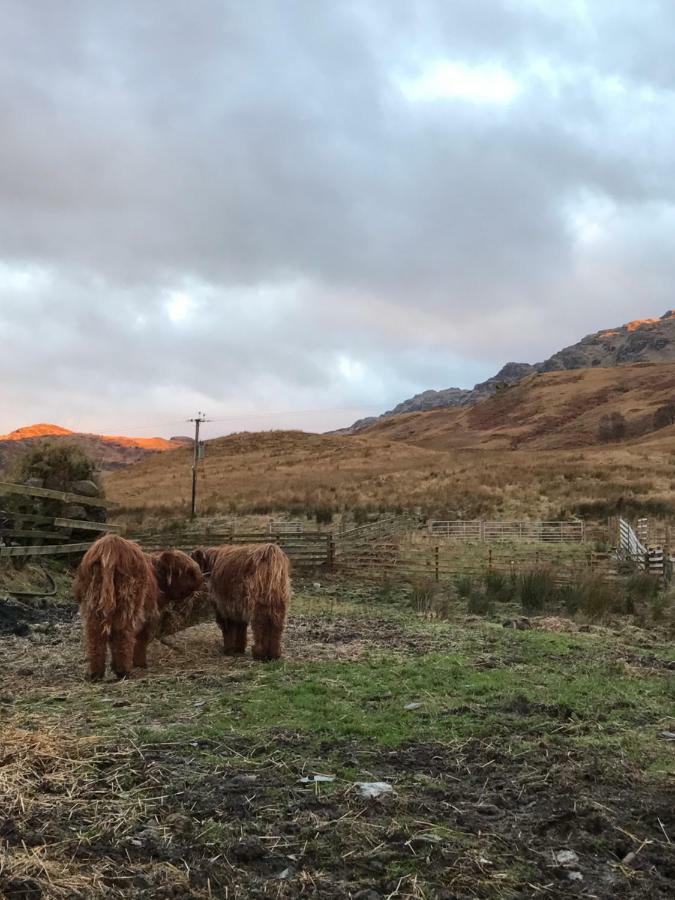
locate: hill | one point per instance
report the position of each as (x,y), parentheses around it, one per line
(550,411)
(641,341)
(535,449)
(111,451)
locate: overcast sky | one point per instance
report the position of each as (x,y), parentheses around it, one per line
(289,205)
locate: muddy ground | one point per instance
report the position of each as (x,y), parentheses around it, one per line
(124,816)
(466,821)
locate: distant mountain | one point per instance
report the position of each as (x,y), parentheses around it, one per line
(645,340)
(111,451)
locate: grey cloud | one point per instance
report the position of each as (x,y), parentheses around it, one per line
(263,158)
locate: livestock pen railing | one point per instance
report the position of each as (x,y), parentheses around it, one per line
(306,550)
(380,529)
(282,526)
(440,562)
(25,533)
(632,549)
(443,560)
(479,531)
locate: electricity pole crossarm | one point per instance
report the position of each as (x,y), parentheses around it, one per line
(198,420)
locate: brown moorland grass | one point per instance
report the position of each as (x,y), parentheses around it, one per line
(531,451)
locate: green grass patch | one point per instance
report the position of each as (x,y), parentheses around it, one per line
(466,680)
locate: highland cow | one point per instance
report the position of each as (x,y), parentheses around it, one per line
(122,593)
(249,585)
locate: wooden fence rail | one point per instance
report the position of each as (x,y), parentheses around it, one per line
(7,487)
(443,560)
(57,530)
(283,527)
(46,550)
(308,549)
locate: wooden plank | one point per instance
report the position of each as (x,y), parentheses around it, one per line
(22,517)
(28,533)
(87,526)
(60,522)
(58,550)
(7,487)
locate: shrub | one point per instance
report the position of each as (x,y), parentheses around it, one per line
(535,589)
(442,607)
(598,598)
(643,587)
(612,427)
(628,507)
(665,415)
(663,607)
(499,586)
(464,586)
(323,515)
(386,588)
(480,604)
(360,515)
(423,593)
(57,463)
(570,596)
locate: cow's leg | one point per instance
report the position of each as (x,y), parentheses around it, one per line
(267,635)
(96,645)
(122,645)
(141,648)
(227,628)
(240,636)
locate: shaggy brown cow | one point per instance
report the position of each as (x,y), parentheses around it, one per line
(249,584)
(122,592)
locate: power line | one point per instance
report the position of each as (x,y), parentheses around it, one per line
(110,431)
(299,412)
(124,431)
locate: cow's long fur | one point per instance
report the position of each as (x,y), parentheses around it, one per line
(122,592)
(249,585)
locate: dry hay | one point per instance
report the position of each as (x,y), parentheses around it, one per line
(28,757)
(35,765)
(196,610)
(60,795)
(555,623)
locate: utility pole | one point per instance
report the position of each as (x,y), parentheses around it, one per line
(198,419)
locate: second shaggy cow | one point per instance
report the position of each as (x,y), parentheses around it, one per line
(249,585)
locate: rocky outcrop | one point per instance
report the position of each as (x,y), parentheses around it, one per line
(645,340)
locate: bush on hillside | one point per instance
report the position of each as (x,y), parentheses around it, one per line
(360,515)
(323,515)
(500,586)
(612,427)
(536,590)
(56,463)
(665,415)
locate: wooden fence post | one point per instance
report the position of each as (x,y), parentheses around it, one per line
(330,552)
(436,562)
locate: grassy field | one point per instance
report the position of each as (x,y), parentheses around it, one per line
(296,473)
(521,762)
(530,451)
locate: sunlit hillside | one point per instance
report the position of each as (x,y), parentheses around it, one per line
(537,449)
(556,410)
(109,451)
